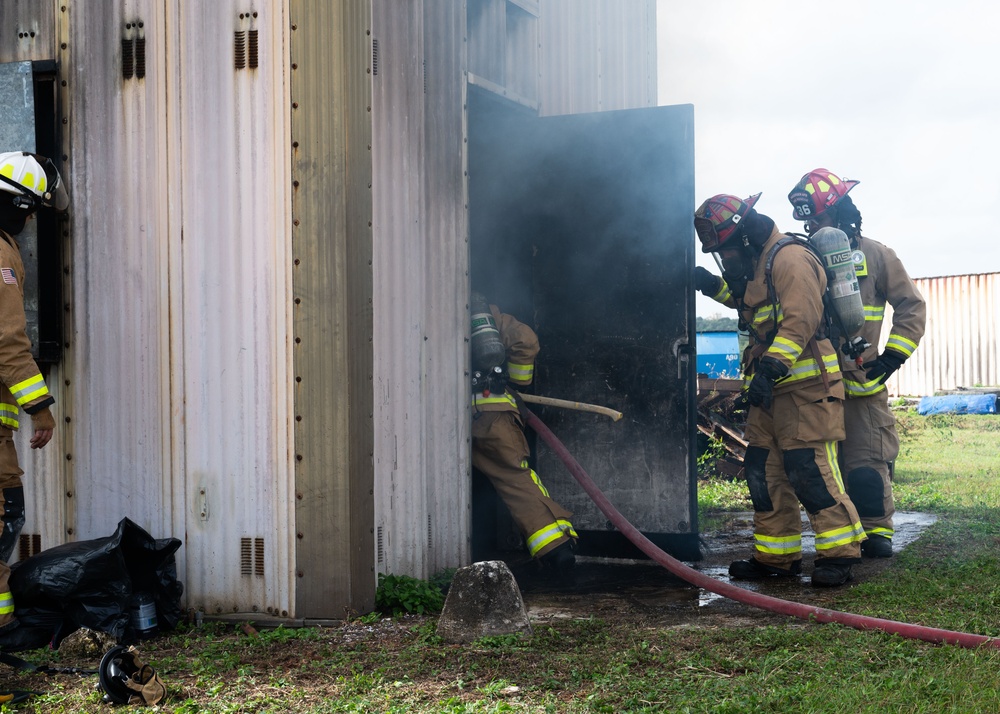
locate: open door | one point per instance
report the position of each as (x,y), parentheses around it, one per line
(581,227)
(27,123)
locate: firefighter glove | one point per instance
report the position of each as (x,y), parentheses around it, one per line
(705,283)
(882,367)
(762,385)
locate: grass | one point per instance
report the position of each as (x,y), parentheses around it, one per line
(949,578)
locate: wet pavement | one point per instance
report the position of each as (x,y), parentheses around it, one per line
(641,589)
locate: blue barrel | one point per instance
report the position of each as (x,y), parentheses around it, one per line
(719,354)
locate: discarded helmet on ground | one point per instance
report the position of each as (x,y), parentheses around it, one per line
(124,678)
(34,181)
(816,192)
(718,219)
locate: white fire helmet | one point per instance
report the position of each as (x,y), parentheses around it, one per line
(33,180)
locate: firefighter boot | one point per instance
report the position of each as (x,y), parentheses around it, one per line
(559,561)
(753,569)
(876,547)
(830,575)
(11,520)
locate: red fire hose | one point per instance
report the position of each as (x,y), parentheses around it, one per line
(784,607)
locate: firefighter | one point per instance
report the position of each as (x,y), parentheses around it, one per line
(868,454)
(794,389)
(503,356)
(27,183)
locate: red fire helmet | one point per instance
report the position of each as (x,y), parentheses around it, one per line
(717,219)
(817,191)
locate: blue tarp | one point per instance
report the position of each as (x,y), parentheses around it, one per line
(959,404)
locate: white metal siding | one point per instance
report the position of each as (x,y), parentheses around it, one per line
(961,345)
(400,278)
(597,55)
(420,273)
(180,348)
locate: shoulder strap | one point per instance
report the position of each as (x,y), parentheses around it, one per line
(813,346)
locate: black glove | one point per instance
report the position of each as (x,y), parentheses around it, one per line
(705,283)
(768,371)
(882,367)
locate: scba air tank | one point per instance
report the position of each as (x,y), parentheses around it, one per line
(834,250)
(487,347)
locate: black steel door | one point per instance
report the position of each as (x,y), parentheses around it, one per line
(580,226)
(27,123)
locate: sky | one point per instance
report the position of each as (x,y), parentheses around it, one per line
(903,96)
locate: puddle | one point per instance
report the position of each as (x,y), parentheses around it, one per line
(606,588)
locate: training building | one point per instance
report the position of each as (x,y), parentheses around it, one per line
(254,316)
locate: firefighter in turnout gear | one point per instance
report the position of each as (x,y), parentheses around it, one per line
(503,357)
(868,454)
(27,183)
(794,389)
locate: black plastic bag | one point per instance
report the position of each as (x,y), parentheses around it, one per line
(90,584)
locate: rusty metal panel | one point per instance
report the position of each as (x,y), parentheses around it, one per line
(961,345)
(331,65)
(597,55)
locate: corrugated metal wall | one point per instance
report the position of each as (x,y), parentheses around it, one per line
(180,352)
(597,55)
(961,346)
(331,143)
(421,288)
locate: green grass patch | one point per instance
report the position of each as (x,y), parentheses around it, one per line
(949,578)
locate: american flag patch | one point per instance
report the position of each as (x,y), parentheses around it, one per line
(8,276)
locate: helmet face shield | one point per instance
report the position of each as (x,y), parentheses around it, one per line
(707,234)
(718,219)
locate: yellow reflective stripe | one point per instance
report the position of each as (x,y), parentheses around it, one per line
(504,398)
(862,389)
(784,346)
(887,532)
(534,477)
(521,373)
(806,368)
(30,389)
(9,415)
(874,313)
(831,458)
(901,344)
(778,545)
(840,536)
(552,532)
(765,313)
(723,295)
(6,603)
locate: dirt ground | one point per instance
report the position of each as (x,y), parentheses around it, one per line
(644,591)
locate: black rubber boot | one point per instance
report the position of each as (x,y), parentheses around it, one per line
(876,547)
(755,570)
(12,521)
(560,560)
(830,575)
